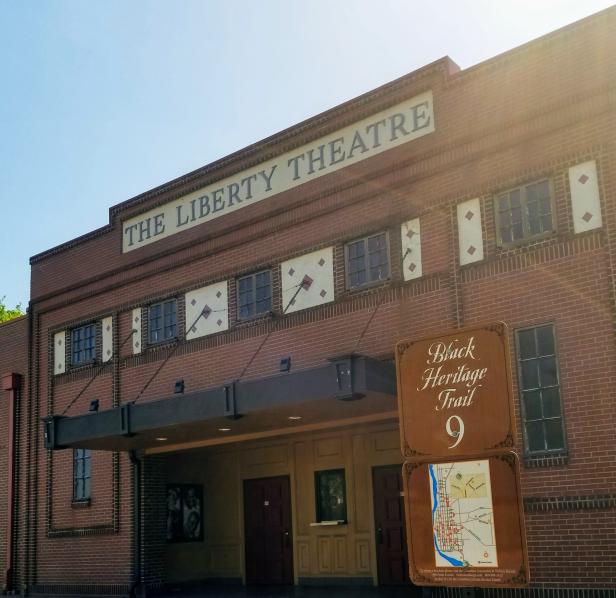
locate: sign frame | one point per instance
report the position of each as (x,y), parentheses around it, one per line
(508,522)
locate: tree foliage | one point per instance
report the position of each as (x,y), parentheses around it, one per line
(6,313)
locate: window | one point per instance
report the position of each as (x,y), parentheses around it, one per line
(162,321)
(540,390)
(83,344)
(254,294)
(81,474)
(524,213)
(330,490)
(367,260)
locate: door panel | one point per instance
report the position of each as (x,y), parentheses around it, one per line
(267,522)
(392,560)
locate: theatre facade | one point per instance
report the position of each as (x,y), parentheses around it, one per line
(210,392)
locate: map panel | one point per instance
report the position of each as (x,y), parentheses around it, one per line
(462,514)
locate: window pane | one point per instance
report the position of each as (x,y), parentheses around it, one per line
(514,198)
(517,232)
(534,436)
(263,279)
(246,310)
(551,402)
(245,284)
(376,243)
(554,434)
(532,405)
(538,191)
(79,488)
(545,340)
(356,249)
(547,371)
(86,488)
(506,235)
(530,376)
(526,343)
(264,305)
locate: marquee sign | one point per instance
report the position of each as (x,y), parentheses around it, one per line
(454,393)
(387,129)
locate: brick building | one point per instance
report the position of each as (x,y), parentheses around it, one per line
(215,366)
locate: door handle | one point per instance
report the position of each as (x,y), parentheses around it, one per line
(287,537)
(379,535)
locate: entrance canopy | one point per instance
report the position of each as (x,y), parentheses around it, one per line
(344,388)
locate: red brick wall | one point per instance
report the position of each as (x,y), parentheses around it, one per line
(528,114)
(13,359)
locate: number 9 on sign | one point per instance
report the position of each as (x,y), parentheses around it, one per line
(456,431)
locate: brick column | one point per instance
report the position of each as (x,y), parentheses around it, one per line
(11,383)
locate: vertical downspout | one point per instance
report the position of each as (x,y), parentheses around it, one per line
(137,516)
(12,384)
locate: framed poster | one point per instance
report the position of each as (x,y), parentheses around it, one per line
(184,513)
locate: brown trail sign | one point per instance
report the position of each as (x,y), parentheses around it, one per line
(462,482)
(454,393)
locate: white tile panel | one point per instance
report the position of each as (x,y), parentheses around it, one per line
(59,352)
(585,201)
(411,249)
(470,234)
(213,305)
(136,324)
(314,273)
(107,328)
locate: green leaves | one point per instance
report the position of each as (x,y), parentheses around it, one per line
(7,313)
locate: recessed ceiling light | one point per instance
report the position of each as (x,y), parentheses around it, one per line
(224,429)
(162,438)
(294,417)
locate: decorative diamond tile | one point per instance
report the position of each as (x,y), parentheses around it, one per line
(108,328)
(291,272)
(207,310)
(412,267)
(323,293)
(193,302)
(292,302)
(136,343)
(321,262)
(219,322)
(136,318)
(471,250)
(583,179)
(587,217)
(410,234)
(59,366)
(219,294)
(193,329)
(59,342)
(306,282)
(469,215)
(108,351)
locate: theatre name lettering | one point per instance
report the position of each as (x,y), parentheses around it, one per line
(387,129)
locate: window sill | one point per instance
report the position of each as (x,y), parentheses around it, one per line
(81,503)
(328,523)
(504,247)
(546,460)
(369,286)
(256,319)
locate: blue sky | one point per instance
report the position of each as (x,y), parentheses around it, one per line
(102,100)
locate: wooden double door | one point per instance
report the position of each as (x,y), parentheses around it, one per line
(389,520)
(268,533)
